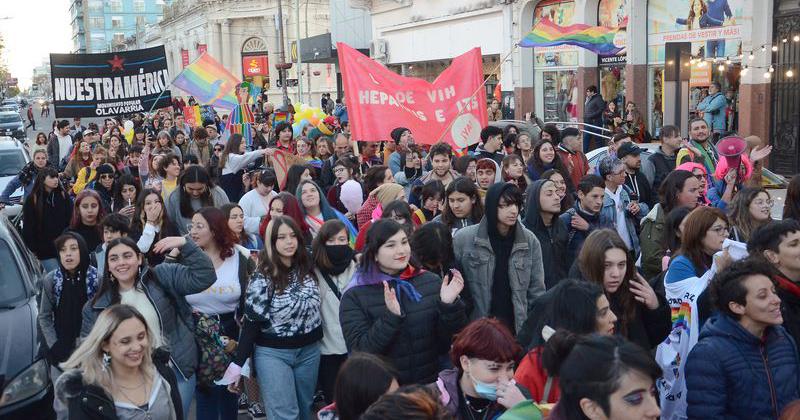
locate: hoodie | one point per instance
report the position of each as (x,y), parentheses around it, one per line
(730,373)
(482,153)
(553,239)
(576,237)
(662,166)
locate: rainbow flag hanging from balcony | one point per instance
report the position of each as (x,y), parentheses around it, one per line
(597,39)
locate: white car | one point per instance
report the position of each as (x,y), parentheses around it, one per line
(774,183)
(13,157)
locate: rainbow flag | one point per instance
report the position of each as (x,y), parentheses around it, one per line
(209,82)
(597,39)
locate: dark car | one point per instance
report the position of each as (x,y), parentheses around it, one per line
(11,124)
(26,391)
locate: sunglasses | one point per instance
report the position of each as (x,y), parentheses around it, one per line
(217,149)
(106,176)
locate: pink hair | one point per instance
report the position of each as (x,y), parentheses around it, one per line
(690,167)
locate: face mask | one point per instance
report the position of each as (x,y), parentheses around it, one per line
(487,391)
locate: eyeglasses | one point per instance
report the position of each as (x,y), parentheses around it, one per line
(190,226)
(339,170)
(762,203)
(720,230)
(700,177)
(106,176)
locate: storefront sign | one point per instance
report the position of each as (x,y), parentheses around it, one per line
(184,57)
(561,13)
(701,76)
(715,28)
(614,14)
(95,85)
(450,109)
(255,65)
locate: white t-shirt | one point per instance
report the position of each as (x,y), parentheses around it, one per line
(64,144)
(223,296)
(619,218)
(138,299)
(254,207)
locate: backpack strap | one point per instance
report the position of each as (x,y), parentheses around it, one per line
(547,387)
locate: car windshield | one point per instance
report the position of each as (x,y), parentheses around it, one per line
(12,288)
(9,118)
(11,162)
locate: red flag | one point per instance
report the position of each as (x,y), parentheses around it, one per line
(451,109)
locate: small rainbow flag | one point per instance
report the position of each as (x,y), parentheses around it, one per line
(598,39)
(209,82)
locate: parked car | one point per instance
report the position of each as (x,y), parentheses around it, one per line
(13,157)
(26,391)
(10,102)
(776,184)
(11,124)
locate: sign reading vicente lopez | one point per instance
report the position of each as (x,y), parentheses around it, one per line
(91,85)
(452,108)
(255,65)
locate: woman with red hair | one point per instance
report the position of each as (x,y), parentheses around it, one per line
(481,385)
(209,230)
(286,204)
(87,214)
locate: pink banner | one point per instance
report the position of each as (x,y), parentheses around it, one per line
(451,109)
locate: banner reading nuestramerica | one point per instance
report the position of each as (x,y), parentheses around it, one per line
(95,85)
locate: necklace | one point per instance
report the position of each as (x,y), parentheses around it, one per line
(482,413)
(136,406)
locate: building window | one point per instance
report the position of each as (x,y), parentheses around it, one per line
(116,22)
(95,6)
(116,5)
(138,6)
(96,22)
(119,38)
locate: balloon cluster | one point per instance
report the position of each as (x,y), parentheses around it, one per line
(304,116)
(128,131)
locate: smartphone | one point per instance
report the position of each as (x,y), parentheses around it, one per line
(634,197)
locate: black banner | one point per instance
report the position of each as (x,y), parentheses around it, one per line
(98,85)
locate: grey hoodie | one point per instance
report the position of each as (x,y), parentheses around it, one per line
(174,207)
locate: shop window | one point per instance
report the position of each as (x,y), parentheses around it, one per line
(560,95)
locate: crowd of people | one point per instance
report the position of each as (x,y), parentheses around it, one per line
(397,280)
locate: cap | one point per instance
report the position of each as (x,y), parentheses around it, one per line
(88,132)
(628,149)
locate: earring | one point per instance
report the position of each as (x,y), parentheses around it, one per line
(106,361)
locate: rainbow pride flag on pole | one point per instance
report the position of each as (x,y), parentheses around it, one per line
(597,39)
(209,82)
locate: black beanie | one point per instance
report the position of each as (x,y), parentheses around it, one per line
(397,133)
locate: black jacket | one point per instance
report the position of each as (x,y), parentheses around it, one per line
(641,187)
(789,292)
(553,239)
(40,232)
(662,165)
(413,341)
(593,110)
(91,402)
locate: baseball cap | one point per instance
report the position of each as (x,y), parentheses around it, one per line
(628,149)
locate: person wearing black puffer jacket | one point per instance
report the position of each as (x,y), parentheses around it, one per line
(398,311)
(541,217)
(745,364)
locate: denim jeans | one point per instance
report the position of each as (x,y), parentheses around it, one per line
(287,378)
(186,390)
(216,403)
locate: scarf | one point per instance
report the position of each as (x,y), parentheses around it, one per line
(91,283)
(709,159)
(340,257)
(375,276)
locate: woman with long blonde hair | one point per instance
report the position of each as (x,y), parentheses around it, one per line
(116,371)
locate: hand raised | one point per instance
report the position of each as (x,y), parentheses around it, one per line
(452,286)
(390,298)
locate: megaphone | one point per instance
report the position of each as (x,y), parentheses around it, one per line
(731,149)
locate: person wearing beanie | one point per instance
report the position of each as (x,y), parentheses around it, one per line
(104,184)
(402,138)
(569,150)
(501,260)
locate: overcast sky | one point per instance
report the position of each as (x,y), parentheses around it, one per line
(36,29)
